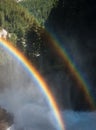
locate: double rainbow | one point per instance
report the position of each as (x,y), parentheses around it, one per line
(70,66)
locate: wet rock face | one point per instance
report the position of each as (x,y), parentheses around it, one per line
(3,126)
(73,24)
(6,119)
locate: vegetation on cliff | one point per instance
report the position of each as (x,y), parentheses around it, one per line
(16,20)
(40,9)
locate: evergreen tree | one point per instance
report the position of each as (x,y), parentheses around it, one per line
(39,8)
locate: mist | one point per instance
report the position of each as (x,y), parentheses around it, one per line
(79,120)
(22,97)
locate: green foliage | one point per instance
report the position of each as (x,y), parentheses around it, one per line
(13,38)
(33,40)
(23,28)
(39,8)
(1,18)
(14,17)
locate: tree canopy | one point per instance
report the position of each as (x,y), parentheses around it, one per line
(39,8)
(24,28)
(14,17)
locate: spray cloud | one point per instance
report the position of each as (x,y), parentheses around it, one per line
(21,96)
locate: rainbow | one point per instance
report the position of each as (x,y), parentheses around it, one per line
(52,42)
(53,105)
(70,66)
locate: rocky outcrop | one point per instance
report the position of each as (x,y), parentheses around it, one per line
(3,33)
(6,119)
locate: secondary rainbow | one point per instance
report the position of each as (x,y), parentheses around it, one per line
(38,77)
(50,39)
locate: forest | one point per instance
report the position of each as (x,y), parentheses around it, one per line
(23,24)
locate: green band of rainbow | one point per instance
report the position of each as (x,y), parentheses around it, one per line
(39,79)
(52,42)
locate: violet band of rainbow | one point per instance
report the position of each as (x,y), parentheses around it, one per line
(51,101)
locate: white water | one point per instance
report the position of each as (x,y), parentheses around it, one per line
(74,121)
